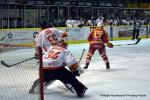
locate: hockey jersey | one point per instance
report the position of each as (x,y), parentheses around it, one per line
(48,37)
(98,36)
(57,56)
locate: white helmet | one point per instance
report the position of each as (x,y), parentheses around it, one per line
(100,24)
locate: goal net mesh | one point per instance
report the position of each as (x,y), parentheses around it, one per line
(16,81)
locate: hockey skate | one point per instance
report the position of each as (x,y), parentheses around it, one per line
(86,66)
(107,66)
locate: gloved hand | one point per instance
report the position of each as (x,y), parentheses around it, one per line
(110,45)
(37,56)
(78,71)
(65,34)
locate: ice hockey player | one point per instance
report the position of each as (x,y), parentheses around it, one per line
(55,61)
(49,35)
(97,40)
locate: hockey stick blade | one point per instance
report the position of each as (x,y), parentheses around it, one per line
(4,64)
(138,40)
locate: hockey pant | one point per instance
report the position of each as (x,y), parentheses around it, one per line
(67,78)
(62,74)
(35,87)
(101,49)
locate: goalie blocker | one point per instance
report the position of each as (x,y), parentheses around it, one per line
(55,61)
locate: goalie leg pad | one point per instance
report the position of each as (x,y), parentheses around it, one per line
(36,86)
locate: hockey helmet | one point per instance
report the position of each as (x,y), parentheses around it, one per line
(43,24)
(35,33)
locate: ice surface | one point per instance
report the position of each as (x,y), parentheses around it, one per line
(127,79)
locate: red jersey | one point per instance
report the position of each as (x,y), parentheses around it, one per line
(98,35)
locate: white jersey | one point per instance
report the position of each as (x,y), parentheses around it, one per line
(48,37)
(57,56)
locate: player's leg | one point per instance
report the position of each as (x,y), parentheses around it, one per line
(90,53)
(102,52)
(36,86)
(70,81)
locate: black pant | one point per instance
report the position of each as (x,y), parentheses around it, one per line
(135,34)
(65,76)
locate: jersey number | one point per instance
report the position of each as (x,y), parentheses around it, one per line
(53,54)
(52,39)
(97,34)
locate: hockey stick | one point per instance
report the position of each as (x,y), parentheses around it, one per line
(81,56)
(138,40)
(82,71)
(7,65)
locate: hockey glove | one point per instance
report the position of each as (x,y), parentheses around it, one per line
(110,45)
(36,56)
(65,34)
(78,71)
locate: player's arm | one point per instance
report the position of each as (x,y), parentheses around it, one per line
(65,34)
(38,43)
(61,34)
(105,39)
(72,64)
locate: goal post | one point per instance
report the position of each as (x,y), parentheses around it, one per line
(41,74)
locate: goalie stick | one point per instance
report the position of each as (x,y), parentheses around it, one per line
(138,40)
(81,56)
(7,65)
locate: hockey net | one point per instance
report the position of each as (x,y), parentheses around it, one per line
(16,81)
